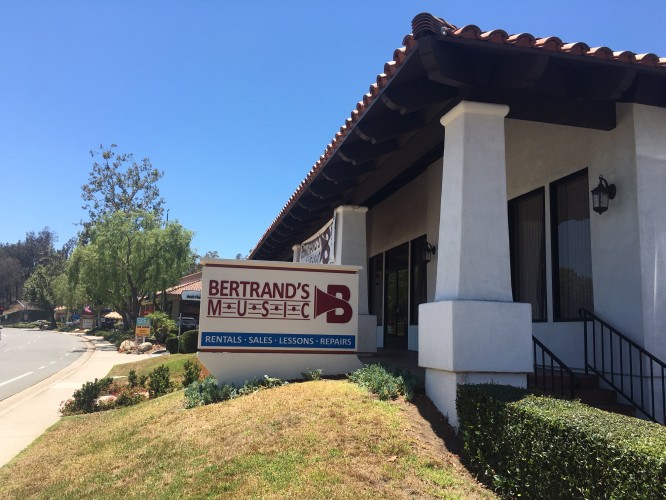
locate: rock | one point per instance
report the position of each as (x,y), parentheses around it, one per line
(126,345)
(145,347)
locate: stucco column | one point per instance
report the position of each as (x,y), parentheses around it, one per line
(649,127)
(297,252)
(473,224)
(351,249)
(473,332)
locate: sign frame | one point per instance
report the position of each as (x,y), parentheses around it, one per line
(278,307)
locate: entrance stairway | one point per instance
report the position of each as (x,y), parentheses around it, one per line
(634,380)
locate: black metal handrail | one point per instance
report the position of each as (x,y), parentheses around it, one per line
(553,366)
(612,356)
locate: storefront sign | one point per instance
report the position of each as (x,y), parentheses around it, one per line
(142,327)
(190,295)
(320,248)
(269,306)
(87,322)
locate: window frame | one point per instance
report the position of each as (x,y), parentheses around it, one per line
(554,245)
(543,262)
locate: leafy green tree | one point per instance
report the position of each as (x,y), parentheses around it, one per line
(117,183)
(43,285)
(19,260)
(128,256)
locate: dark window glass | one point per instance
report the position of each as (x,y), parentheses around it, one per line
(376,288)
(527,236)
(396,292)
(419,287)
(572,261)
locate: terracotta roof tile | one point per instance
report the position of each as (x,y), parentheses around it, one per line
(522,40)
(426,23)
(552,43)
(178,289)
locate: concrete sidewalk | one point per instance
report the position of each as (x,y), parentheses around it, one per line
(26,415)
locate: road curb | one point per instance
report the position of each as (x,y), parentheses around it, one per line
(6,405)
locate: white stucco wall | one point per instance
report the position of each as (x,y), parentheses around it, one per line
(538,154)
(628,241)
(406,215)
(650,132)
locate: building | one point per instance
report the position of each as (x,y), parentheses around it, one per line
(184,298)
(462,183)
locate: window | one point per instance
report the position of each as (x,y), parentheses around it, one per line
(572,261)
(527,237)
(419,287)
(376,288)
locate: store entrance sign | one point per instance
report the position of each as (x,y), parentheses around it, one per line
(254,306)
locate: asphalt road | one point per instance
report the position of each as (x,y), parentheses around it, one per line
(30,356)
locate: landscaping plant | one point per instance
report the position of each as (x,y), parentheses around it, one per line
(386,384)
(192,372)
(85,398)
(159,382)
(539,447)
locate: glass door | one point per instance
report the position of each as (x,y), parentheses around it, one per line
(396,295)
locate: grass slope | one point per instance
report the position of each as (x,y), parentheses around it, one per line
(324,439)
(175,363)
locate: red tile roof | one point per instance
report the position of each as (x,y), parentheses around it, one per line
(427,23)
(190,286)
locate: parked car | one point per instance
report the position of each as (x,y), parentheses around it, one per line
(186,323)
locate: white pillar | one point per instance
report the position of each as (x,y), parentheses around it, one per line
(473,332)
(649,127)
(297,253)
(351,249)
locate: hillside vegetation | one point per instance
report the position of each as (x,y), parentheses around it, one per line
(320,439)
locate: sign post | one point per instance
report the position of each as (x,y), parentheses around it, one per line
(277,318)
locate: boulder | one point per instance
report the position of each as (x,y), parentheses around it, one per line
(145,347)
(126,345)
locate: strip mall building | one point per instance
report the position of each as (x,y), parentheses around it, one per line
(462,184)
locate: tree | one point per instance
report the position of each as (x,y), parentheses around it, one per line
(117,183)
(43,286)
(19,260)
(130,255)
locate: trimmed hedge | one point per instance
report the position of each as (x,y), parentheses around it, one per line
(171,345)
(189,342)
(539,447)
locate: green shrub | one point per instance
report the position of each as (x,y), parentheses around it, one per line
(161,325)
(207,391)
(385,383)
(85,399)
(189,341)
(129,397)
(132,378)
(192,372)
(159,382)
(117,336)
(171,345)
(539,447)
(310,374)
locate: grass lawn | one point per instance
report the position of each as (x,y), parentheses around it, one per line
(321,439)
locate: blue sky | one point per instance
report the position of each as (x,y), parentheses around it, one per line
(234,100)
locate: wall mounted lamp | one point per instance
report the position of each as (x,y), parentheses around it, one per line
(601,194)
(427,251)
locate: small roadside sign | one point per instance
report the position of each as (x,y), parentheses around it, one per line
(142,327)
